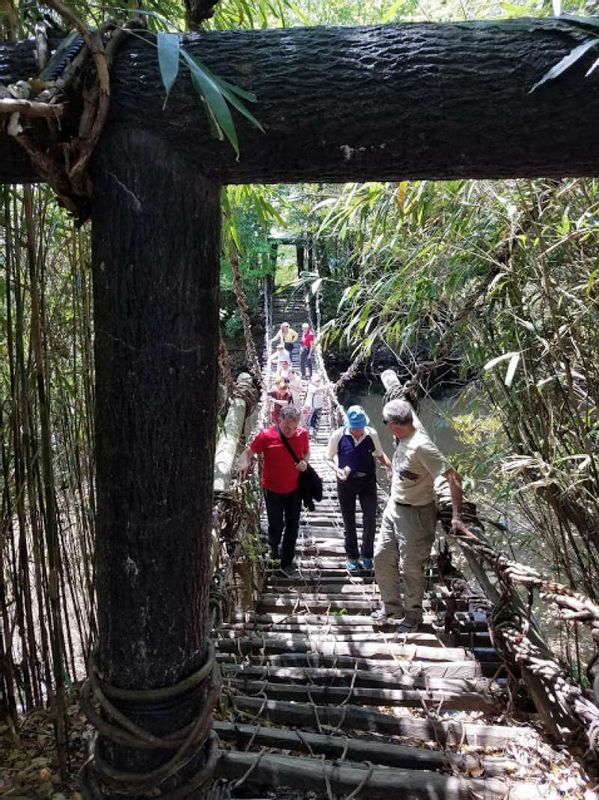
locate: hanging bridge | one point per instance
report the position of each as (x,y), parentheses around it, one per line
(320,701)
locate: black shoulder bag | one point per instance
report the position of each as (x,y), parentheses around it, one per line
(310,482)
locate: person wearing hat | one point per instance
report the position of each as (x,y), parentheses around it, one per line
(407,529)
(351,452)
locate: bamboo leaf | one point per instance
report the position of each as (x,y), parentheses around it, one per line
(168,59)
(566,62)
(494,361)
(592,68)
(209,90)
(515,10)
(511,370)
(232,87)
(390,15)
(582,22)
(236,103)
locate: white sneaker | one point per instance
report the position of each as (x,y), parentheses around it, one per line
(380,615)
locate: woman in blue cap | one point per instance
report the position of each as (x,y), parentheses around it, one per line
(351,452)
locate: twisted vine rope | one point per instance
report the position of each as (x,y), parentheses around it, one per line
(224,362)
(187,743)
(252,353)
(575,712)
(64,164)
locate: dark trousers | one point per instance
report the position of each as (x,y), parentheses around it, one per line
(289,348)
(283,512)
(306,361)
(365,490)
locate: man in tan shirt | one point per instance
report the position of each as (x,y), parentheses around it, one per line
(407,530)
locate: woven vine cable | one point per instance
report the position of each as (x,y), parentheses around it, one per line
(224,360)
(187,742)
(64,166)
(510,628)
(252,353)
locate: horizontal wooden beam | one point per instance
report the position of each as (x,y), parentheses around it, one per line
(383,782)
(383,753)
(352,717)
(359,103)
(381,650)
(468,668)
(406,698)
(333,676)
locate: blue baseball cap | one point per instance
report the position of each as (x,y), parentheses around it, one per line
(356,417)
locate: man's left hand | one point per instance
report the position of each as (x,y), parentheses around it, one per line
(458,528)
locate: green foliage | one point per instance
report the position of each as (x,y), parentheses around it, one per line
(502,275)
(248,215)
(218,94)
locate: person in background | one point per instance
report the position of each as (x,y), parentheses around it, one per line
(280,397)
(306,347)
(292,379)
(275,357)
(407,530)
(313,404)
(280,481)
(351,453)
(285,336)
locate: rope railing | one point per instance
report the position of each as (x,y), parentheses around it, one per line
(568,710)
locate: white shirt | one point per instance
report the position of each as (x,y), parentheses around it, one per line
(275,357)
(314,396)
(417,461)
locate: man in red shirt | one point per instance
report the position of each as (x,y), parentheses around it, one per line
(280,479)
(306,345)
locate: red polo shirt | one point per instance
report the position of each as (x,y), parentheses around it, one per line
(308,338)
(278,472)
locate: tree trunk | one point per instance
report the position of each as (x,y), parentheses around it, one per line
(156,247)
(387,102)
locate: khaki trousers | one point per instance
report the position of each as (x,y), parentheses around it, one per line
(402,546)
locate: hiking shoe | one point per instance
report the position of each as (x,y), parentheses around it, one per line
(408,625)
(368,563)
(380,615)
(290,570)
(353,565)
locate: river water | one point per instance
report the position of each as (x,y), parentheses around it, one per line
(436,415)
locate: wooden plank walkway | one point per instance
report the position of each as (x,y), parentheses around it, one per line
(320,701)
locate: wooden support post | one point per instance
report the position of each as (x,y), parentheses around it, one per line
(156,247)
(228,442)
(299,258)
